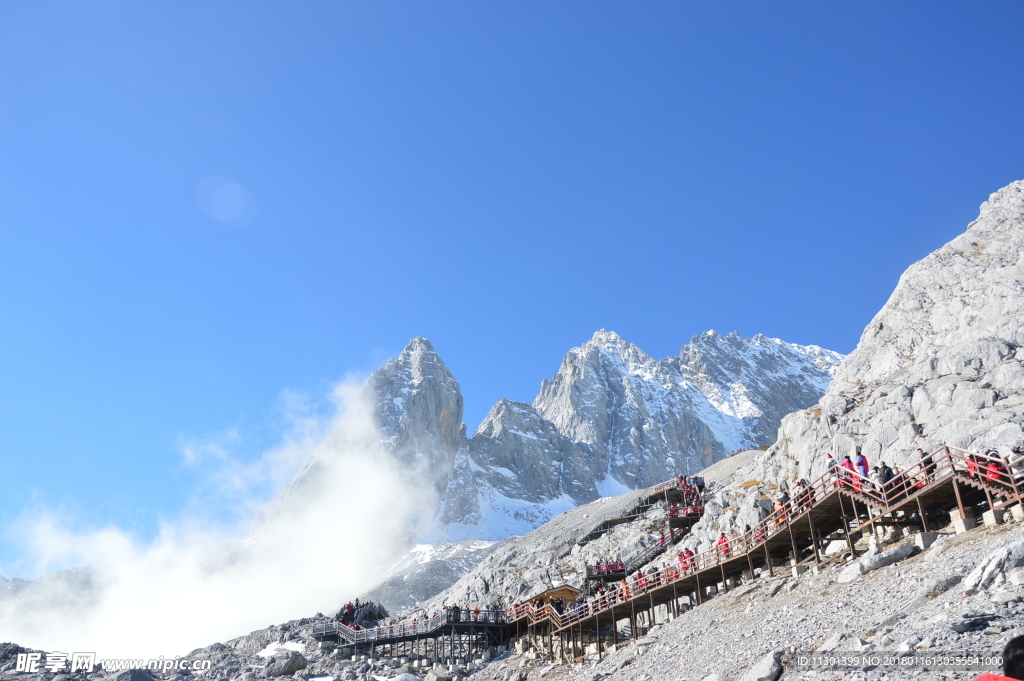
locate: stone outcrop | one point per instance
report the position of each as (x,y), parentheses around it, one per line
(939,364)
(286,664)
(992,570)
(417,405)
(874,559)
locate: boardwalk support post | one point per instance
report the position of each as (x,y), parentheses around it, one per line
(959,501)
(792,543)
(814,536)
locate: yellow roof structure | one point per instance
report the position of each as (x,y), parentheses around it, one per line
(565,591)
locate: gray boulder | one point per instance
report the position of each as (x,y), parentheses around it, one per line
(435,675)
(940,585)
(872,560)
(991,570)
(768,668)
(285,665)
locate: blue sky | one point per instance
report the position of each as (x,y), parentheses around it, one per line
(502,178)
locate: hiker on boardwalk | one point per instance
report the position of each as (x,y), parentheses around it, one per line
(722,545)
(876,479)
(847,469)
(885,473)
(802,497)
(861,464)
(1016,462)
(885,476)
(780,512)
(972,465)
(686,560)
(830,468)
(899,484)
(927,464)
(995,471)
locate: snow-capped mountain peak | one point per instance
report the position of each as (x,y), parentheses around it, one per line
(611,419)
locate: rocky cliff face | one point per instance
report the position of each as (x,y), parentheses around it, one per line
(418,408)
(648,420)
(938,364)
(425,570)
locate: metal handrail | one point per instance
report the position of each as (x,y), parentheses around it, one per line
(642,500)
(390,631)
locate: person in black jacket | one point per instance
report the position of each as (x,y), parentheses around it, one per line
(885,476)
(927,464)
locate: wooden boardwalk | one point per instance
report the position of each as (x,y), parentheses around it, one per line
(840,505)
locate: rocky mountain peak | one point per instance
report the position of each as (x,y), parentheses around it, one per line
(418,407)
(605,338)
(603,347)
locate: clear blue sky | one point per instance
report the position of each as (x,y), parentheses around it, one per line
(503,178)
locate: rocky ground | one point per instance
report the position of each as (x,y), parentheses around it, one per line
(955,596)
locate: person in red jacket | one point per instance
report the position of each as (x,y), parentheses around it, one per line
(996,471)
(723,546)
(848,470)
(686,560)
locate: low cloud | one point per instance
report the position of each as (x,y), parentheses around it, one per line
(203,580)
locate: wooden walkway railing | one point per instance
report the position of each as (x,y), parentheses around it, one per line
(426,627)
(944,464)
